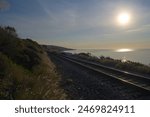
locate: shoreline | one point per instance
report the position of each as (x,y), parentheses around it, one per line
(138,55)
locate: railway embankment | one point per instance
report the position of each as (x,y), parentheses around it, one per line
(80,82)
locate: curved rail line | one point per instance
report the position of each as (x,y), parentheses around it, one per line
(135,80)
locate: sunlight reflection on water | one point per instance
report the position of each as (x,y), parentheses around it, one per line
(124,50)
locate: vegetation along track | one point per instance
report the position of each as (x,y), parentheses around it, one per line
(137,81)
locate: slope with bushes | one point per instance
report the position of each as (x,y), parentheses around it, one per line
(26,72)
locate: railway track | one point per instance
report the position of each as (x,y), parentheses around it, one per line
(137,81)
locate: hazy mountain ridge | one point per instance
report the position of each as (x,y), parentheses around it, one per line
(53,48)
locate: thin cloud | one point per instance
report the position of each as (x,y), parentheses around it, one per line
(143,28)
(136,30)
(4,4)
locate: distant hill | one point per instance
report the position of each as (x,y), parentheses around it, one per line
(26,72)
(52,48)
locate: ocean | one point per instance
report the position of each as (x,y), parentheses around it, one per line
(139,55)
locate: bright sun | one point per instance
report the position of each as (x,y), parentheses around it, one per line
(123,18)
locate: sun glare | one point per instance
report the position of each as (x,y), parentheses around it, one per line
(124,50)
(123,18)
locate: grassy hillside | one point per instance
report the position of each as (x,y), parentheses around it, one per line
(26,72)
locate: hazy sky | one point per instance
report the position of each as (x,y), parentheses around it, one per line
(79,23)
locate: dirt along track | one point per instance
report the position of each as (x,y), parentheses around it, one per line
(82,83)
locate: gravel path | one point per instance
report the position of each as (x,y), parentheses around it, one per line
(80,83)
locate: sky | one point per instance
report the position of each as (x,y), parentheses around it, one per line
(79,24)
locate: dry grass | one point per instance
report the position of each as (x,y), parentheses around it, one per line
(43,83)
